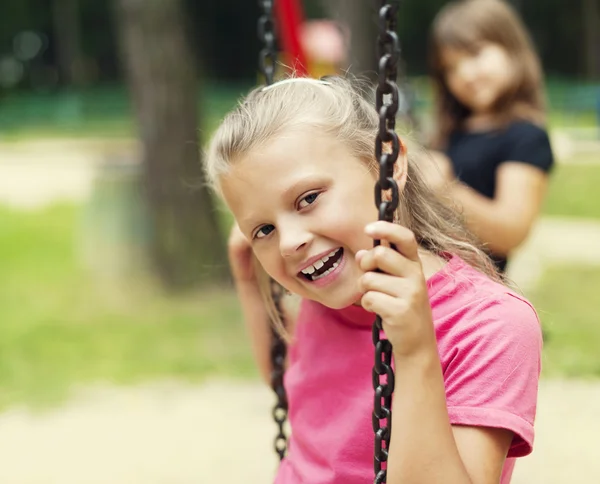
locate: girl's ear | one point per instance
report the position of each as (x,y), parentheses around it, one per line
(401,167)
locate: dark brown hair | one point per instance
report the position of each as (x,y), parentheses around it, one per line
(464,24)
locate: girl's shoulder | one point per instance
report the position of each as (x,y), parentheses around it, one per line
(490,345)
(524,128)
(518,128)
(529,143)
(469,302)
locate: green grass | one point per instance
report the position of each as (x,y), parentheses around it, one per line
(567,303)
(574,191)
(57,329)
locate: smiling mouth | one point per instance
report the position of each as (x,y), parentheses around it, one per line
(323,266)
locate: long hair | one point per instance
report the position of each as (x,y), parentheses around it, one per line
(465,24)
(339,108)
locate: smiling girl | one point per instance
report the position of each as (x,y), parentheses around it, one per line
(295,164)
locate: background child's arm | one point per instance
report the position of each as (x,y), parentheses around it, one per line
(504,222)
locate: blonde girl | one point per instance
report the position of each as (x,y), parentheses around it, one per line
(295,164)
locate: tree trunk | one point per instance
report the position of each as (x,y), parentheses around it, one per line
(517,4)
(67,33)
(360,18)
(186,243)
(591,28)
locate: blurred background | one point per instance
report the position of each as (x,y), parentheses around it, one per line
(123,357)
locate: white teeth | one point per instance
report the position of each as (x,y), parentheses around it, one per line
(322,275)
(309,270)
(320,263)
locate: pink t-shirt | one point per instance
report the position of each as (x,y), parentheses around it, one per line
(489,342)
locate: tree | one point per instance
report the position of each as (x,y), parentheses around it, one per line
(66,23)
(591,32)
(187,247)
(360,18)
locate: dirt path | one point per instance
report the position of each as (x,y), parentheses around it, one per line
(172,433)
(34,174)
(555,240)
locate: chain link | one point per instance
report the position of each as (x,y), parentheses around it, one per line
(267,64)
(266,33)
(388,51)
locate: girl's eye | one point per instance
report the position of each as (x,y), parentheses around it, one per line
(308,200)
(264,231)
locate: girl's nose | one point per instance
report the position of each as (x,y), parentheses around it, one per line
(467,70)
(293,239)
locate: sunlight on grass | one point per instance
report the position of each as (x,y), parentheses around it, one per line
(567,302)
(574,191)
(58,329)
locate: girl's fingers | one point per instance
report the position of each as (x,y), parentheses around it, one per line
(384,305)
(384,259)
(400,236)
(384,284)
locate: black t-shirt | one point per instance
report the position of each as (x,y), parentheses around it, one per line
(476,156)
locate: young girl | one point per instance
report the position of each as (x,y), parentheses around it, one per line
(295,164)
(490,112)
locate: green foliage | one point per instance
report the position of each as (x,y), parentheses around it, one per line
(97,112)
(223,36)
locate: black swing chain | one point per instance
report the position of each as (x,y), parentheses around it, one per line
(266,33)
(388,51)
(278,355)
(267,64)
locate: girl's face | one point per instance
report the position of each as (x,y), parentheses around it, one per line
(477,79)
(303,200)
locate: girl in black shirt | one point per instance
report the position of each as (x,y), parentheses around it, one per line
(490,121)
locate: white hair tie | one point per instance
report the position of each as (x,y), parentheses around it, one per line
(297,79)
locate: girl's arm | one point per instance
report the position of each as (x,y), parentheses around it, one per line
(257,323)
(424,446)
(503,222)
(256,318)
(488,388)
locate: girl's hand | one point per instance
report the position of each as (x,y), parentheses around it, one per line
(241,256)
(399,292)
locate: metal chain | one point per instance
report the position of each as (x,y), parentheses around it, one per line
(266,33)
(267,64)
(278,354)
(388,51)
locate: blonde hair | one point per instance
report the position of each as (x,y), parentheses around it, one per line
(339,108)
(464,24)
